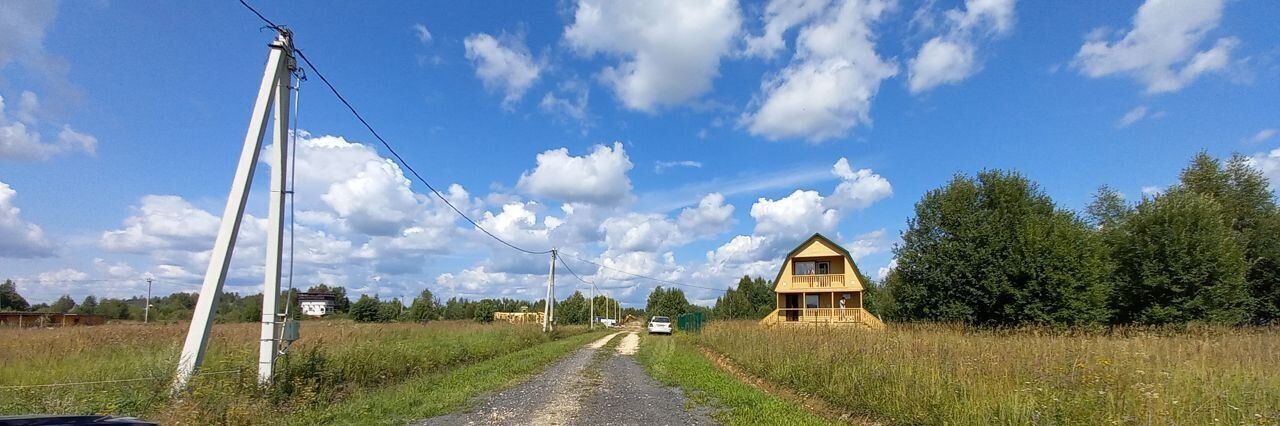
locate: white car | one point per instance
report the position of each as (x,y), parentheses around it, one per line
(660,325)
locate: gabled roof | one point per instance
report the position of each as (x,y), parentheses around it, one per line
(817,237)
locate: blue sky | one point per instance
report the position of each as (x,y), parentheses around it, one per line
(695,142)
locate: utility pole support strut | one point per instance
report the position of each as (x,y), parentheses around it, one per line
(279,61)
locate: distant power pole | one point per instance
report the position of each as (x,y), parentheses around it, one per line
(548,311)
(591,320)
(146,308)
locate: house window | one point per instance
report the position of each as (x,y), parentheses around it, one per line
(806,268)
(824,268)
(811,301)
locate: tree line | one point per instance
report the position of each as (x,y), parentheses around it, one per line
(995,250)
(232,307)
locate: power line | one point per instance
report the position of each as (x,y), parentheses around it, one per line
(263,18)
(575,275)
(384,142)
(437,193)
(138,379)
(402,161)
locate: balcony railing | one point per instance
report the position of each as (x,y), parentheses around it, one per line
(827,316)
(817,281)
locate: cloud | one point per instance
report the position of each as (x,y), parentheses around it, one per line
(365,191)
(659,166)
(868,244)
(1135,114)
(572,106)
(795,216)
(23,27)
(711,216)
(356,214)
(950,58)
(884,271)
(599,177)
(640,232)
(740,249)
(782,223)
(424,35)
(518,224)
(780,16)
(163,222)
(858,189)
(1263,135)
(480,281)
(503,65)
(689,194)
(671,49)
(1152,191)
(62,275)
(1269,164)
(1160,51)
(19,238)
(19,139)
(835,73)
(114,270)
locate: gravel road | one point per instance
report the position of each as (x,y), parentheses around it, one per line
(585,389)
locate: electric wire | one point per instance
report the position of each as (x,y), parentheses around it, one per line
(384,142)
(402,161)
(263,18)
(437,193)
(96,382)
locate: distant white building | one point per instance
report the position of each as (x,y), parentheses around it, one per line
(317,304)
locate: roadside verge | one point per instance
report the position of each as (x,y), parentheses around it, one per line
(677,361)
(445,392)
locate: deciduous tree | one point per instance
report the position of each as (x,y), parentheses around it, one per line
(995,250)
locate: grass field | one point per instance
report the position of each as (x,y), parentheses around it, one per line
(948,375)
(675,361)
(332,362)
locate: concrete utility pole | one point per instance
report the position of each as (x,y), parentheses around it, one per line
(591,320)
(146,309)
(274,89)
(548,311)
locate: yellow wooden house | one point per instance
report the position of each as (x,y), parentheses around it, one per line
(819,284)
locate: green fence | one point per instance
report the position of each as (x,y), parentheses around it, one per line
(691,322)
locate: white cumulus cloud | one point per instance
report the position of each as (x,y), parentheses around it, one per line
(1161,51)
(20,139)
(599,177)
(671,49)
(19,238)
(858,189)
(1269,164)
(504,65)
(835,73)
(951,57)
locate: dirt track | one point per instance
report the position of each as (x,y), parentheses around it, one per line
(599,384)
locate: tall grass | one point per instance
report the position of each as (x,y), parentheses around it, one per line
(936,374)
(333,359)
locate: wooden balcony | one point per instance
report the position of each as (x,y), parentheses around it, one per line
(825,316)
(817,281)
